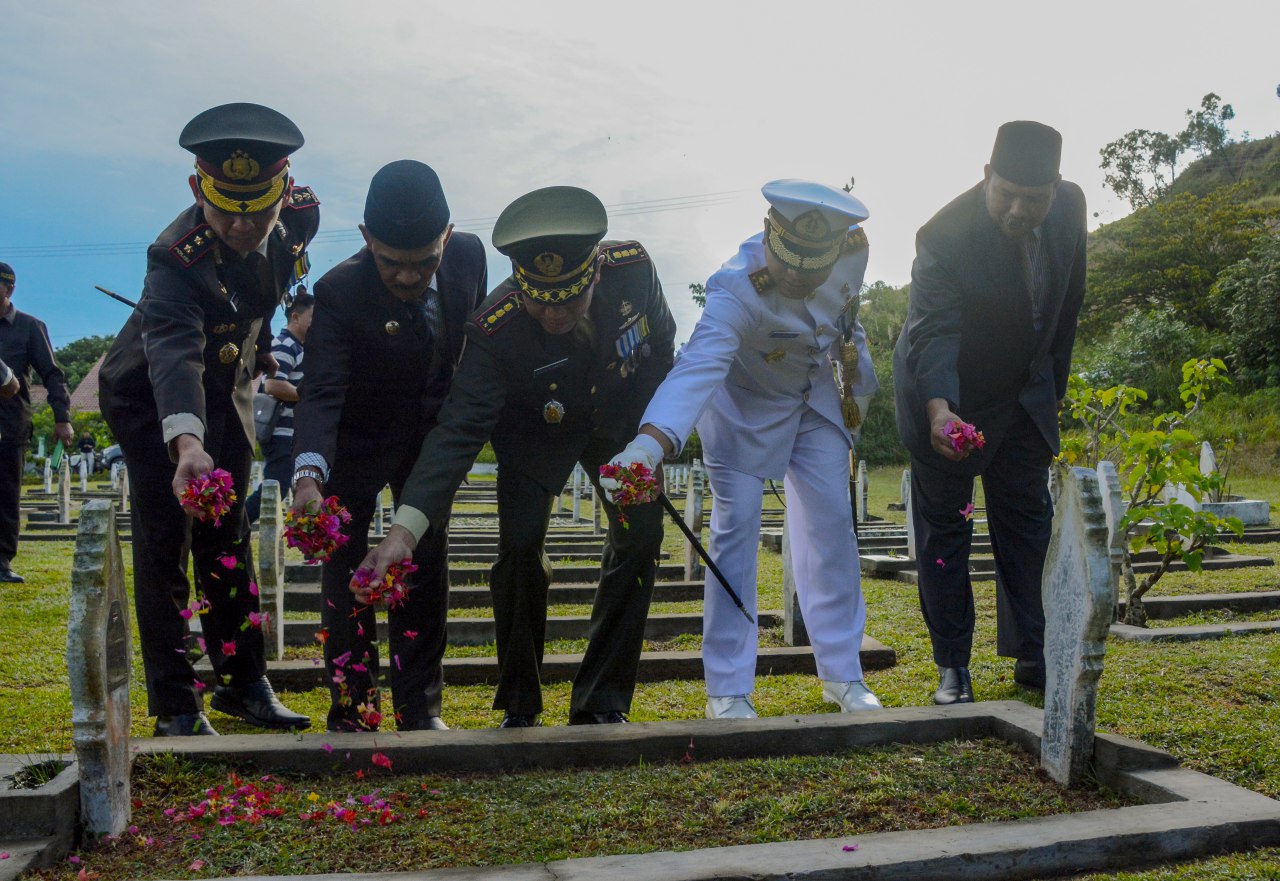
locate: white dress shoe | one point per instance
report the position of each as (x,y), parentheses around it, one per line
(736,706)
(851,696)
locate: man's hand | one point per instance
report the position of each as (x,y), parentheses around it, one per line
(643,449)
(265,363)
(940,416)
(62,431)
(10,388)
(307,496)
(396,546)
(193,462)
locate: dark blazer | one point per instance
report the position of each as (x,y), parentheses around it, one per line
(191,344)
(969,336)
(24,344)
(512,371)
(375,376)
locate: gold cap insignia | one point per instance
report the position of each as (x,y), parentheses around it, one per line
(229,353)
(812,226)
(241,166)
(548,263)
(625,308)
(393,327)
(553,411)
(775,356)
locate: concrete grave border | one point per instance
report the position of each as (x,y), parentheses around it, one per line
(1187,604)
(1185,814)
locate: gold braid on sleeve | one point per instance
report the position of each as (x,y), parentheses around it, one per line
(849,409)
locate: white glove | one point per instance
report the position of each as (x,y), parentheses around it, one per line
(642,449)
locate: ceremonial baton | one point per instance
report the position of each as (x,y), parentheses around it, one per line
(113,295)
(706,558)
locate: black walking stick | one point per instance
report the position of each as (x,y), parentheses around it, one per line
(113,295)
(706,558)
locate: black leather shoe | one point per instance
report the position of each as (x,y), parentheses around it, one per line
(257,704)
(954,686)
(8,576)
(428,723)
(184,725)
(520,720)
(1029,674)
(609,717)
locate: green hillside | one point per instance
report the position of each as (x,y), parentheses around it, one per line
(1249,160)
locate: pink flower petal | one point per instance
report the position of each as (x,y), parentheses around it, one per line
(849,847)
(941,563)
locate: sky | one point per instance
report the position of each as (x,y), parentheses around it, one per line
(673,113)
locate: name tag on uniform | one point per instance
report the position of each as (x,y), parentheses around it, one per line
(547,368)
(784,334)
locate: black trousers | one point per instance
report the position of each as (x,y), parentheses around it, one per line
(13,457)
(1020,520)
(520,578)
(417,627)
(163,535)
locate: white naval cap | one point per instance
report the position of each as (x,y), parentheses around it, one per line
(808,222)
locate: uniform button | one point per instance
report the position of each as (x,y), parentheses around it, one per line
(593,390)
(822,330)
(811,295)
(553,386)
(806,396)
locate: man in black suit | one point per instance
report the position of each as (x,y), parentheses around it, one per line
(561,359)
(176,390)
(381,351)
(996,289)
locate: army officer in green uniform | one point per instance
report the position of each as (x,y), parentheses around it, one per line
(560,361)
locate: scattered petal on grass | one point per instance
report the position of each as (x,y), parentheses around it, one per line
(381,760)
(196,866)
(848,847)
(327,747)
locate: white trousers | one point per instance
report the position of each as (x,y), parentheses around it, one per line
(824,559)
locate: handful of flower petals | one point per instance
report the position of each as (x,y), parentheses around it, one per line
(317,533)
(965,438)
(209,496)
(392,587)
(636,485)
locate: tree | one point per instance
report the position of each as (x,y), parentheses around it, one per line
(1170,254)
(699,294)
(77,358)
(1251,290)
(1141,165)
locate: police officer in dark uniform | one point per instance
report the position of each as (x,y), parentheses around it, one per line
(381,351)
(176,391)
(561,359)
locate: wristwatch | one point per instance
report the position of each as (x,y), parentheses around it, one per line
(307,471)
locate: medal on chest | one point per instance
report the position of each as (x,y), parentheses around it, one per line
(229,353)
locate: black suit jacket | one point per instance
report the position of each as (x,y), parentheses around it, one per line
(374,376)
(969,335)
(513,370)
(191,344)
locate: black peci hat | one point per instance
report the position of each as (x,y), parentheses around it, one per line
(405,207)
(1027,153)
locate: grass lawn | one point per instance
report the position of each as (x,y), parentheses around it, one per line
(1212,704)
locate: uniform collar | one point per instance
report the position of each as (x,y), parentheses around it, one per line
(11,314)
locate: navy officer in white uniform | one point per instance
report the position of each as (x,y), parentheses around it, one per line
(757,380)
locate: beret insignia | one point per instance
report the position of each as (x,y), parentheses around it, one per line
(623,253)
(194,245)
(760,280)
(856,240)
(498,314)
(303,197)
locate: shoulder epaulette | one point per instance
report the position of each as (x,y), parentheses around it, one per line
(194,245)
(498,314)
(623,253)
(856,240)
(303,197)
(760,280)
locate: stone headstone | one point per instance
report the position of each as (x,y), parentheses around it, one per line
(904,488)
(256,469)
(793,630)
(271,565)
(864,493)
(911,526)
(98,666)
(64,492)
(693,502)
(577,493)
(1208,462)
(379,514)
(1113,505)
(124,489)
(1079,604)
(84,473)
(48,477)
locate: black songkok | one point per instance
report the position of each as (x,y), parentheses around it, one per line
(406,207)
(1027,153)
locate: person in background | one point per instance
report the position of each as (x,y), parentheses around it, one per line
(86,446)
(287,349)
(24,345)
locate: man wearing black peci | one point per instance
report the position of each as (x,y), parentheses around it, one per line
(176,390)
(996,288)
(381,351)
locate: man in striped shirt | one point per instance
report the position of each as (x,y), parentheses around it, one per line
(283,386)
